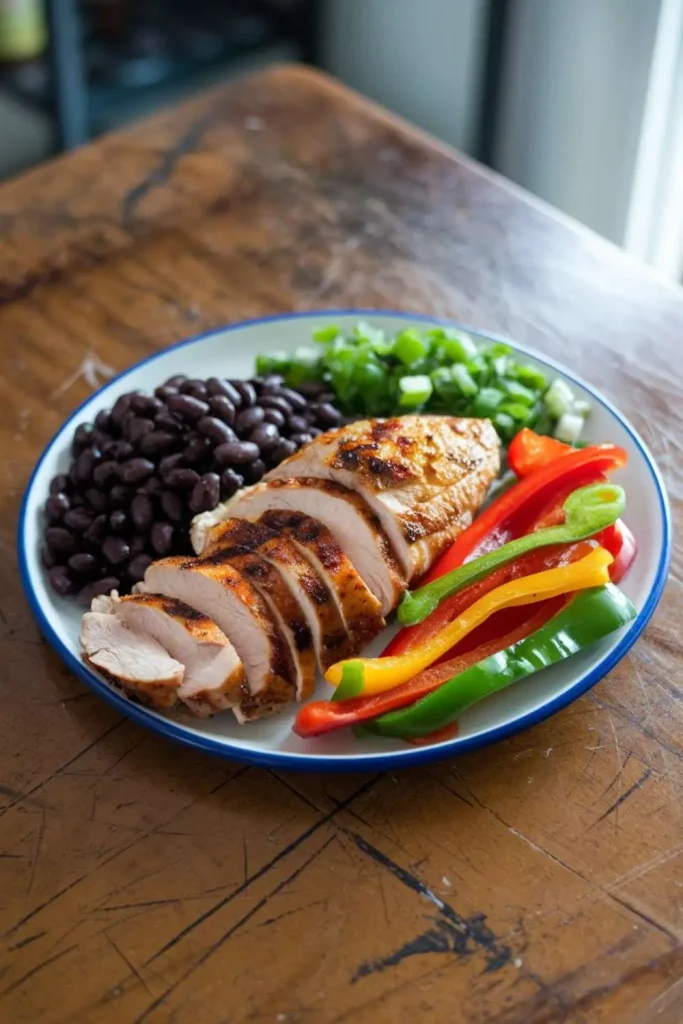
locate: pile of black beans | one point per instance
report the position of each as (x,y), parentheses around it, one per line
(145,467)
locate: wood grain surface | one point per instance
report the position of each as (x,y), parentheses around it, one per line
(537,881)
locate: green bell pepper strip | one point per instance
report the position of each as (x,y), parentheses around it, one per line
(591,615)
(587,511)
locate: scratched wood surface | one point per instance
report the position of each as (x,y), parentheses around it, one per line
(534,882)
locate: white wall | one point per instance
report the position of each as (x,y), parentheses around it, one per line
(420,58)
(575,86)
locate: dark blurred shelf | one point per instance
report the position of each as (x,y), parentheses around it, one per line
(89,82)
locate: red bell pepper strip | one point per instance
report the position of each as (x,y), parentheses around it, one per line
(529,451)
(512,515)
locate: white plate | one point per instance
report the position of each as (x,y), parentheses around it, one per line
(230,352)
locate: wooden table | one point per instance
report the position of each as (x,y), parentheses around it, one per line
(538,881)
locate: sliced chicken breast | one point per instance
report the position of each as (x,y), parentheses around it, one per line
(346,515)
(136,662)
(213,674)
(360,609)
(239,545)
(423,476)
(214,587)
(307,587)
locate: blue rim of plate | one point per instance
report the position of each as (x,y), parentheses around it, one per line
(391,759)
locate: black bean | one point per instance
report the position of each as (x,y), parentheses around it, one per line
(248,419)
(85,464)
(315,431)
(206,493)
(55,507)
(271,380)
(96,499)
(195,388)
(176,381)
(230,483)
(277,402)
(215,386)
(98,438)
(97,588)
(78,519)
(59,541)
(73,474)
(120,495)
(197,449)
(137,544)
(47,558)
(145,405)
(137,567)
(297,425)
(120,409)
(275,417)
(115,550)
(136,470)
(311,388)
(77,500)
(83,562)
(169,463)
(138,429)
(246,391)
(301,439)
(152,486)
(156,443)
(60,580)
(172,506)
(81,437)
(188,407)
(59,483)
(118,520)
(105,472)
(222,408)
(162,538)
(281,451)
(266,436)
(254,471)
(167,421)
(182,479)
(142,511)
(102,420)
(97,530)
(236,452)
(165,391)
(297,401)
(119,450)
(216,430)
(325,415)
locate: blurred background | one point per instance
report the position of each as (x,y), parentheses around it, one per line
(580,101)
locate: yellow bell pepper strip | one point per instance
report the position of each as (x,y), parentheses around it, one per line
(364,676)
(589,616)
(586,511)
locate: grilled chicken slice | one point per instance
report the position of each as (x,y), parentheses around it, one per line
(355,528)
(239,543)
(213,675)
(423,476)
(135,661)
(308,588)
(214,587)
(360,610)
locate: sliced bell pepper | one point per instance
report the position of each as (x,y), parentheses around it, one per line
(513,515)
(587,511)
(373,675)
(590,615)
(528,451)
(621,544)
